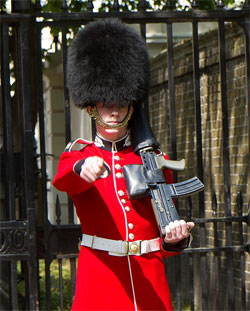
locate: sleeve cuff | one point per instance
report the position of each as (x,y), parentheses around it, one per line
(185,243)
(78,166)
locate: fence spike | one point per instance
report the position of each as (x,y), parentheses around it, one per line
(142,5)
(116,6)
(38,5)
(246,4)
(56,42)
(90,6)
(64,5)
(220,4)
(169,4)
(195,4)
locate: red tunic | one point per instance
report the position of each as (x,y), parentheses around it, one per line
(106,282)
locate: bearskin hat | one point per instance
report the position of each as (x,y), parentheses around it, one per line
(108,62)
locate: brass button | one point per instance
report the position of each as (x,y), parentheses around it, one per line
(121,193)
(118,175)
(131,236)
(117,158)
(131,226)
(123,201)
(127,208)
(133,248)
(118,166)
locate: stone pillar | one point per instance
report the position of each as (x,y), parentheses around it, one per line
(55,128)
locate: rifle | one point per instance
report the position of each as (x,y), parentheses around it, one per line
(148,179)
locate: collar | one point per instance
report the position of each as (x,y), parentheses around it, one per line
(117,145)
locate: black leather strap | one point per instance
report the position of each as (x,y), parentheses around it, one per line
(78,166)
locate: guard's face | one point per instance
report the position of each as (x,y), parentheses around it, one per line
(112,115)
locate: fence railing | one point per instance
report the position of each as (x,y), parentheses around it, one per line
(31,246)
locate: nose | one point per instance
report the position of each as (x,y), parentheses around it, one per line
(114,111)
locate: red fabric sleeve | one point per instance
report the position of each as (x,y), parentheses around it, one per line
(66,179)
(167,254)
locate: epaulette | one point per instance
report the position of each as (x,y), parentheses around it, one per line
(80,141)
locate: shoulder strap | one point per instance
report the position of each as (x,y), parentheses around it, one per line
(79,141)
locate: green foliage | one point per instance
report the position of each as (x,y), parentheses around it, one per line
(124,5)
(133,5)
(54,6)
(55,291)
(77,6)
(3,7)
(185,304)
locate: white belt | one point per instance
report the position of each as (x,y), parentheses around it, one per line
(121,248)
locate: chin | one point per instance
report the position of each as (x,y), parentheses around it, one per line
(111,134)
(112,131)
(114,134)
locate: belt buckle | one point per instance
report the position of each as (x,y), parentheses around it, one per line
(135,247)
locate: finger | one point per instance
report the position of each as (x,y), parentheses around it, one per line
(104,170)
(88,173)
(94,165)
(99,166)
(100,162)
(190,225)
(178,228)
(88,176)
(168,234)
(90,168)
(172,229)
(184,228)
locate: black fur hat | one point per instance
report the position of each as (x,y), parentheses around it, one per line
(108,62)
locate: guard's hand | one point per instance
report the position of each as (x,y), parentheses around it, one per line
(92,169)
(177,231)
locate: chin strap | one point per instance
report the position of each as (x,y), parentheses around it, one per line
(94,115)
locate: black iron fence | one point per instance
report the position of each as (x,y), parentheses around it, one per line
(30,243)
